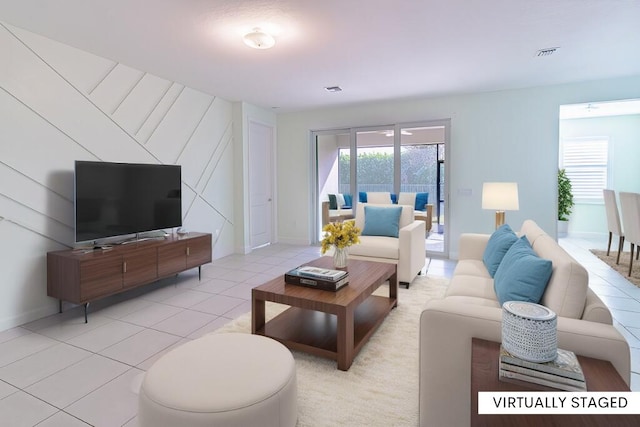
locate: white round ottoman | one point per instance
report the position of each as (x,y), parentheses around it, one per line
(221,380)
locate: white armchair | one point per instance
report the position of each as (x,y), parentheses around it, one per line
(380,197)
(407,250)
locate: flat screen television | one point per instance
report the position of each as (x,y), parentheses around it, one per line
(116,199)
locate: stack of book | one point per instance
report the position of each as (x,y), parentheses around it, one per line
(563,373)
(317,277)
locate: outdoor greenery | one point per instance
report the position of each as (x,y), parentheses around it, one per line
(417,166)
(565,196)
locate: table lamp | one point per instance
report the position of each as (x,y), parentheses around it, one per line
(501,196)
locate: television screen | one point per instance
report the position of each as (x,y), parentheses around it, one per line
(113,199)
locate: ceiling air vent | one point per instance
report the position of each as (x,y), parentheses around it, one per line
(546,52)
(333,89)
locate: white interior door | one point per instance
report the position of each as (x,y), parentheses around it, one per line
(260,183)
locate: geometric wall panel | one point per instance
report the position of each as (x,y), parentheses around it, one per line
(115,87)
(174,132)
(59,104)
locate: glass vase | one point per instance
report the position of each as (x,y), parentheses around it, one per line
(340,257)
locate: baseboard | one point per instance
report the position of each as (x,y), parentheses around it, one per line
(294,241)
(29,316)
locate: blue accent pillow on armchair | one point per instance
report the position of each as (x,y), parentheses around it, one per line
(522,275)
(347,201)
(362,197)
(394,199)
(497,246)
(333,201)
(421,200)
(382,221)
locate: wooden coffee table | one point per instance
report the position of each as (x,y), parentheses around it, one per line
(328,324)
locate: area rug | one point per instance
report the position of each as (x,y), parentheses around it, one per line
(381,387)
(623,267)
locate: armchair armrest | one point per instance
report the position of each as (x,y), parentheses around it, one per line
(411,257)
(472,245)
(429,222)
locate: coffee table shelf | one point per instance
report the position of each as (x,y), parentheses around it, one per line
(315,332)
(335,325)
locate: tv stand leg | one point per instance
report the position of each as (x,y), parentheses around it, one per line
(199,273)
(86,306)
(59,306)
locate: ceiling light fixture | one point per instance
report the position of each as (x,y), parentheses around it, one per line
(258,39)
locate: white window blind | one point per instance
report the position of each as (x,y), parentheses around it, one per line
(585,161)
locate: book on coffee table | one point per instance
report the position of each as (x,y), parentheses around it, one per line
(295,277)
(321,273)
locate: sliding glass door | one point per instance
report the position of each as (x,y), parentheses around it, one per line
(394,159)
(374,161)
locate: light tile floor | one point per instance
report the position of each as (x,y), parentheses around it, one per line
(59,371)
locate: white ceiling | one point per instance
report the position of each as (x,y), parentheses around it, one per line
(373,49)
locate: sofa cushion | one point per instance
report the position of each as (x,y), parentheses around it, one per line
(348,201)
(340,200)
(497,246)
(376,247)
(532,231)
(472,267)
(333,201)
(381,221)
(462,299)
(472,286)
(522,275)
(566,292)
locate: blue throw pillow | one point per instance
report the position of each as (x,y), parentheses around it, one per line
(421,200)
(362,197)
(333,201)
(347,201)
(497,246)
(394,199)
(522,275)
(382,221)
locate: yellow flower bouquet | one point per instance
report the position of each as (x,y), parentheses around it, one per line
(340,235)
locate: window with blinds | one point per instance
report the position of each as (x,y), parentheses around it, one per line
(586,163)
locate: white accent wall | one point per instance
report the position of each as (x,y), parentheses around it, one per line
(509,135)
(59,104)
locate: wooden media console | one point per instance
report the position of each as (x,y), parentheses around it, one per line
(80,276)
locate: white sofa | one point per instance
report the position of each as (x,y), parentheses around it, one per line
(407,251)
(471,309)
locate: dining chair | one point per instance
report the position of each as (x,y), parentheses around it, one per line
(630,207)
(613,221)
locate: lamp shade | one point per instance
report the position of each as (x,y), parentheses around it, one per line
(500,196)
